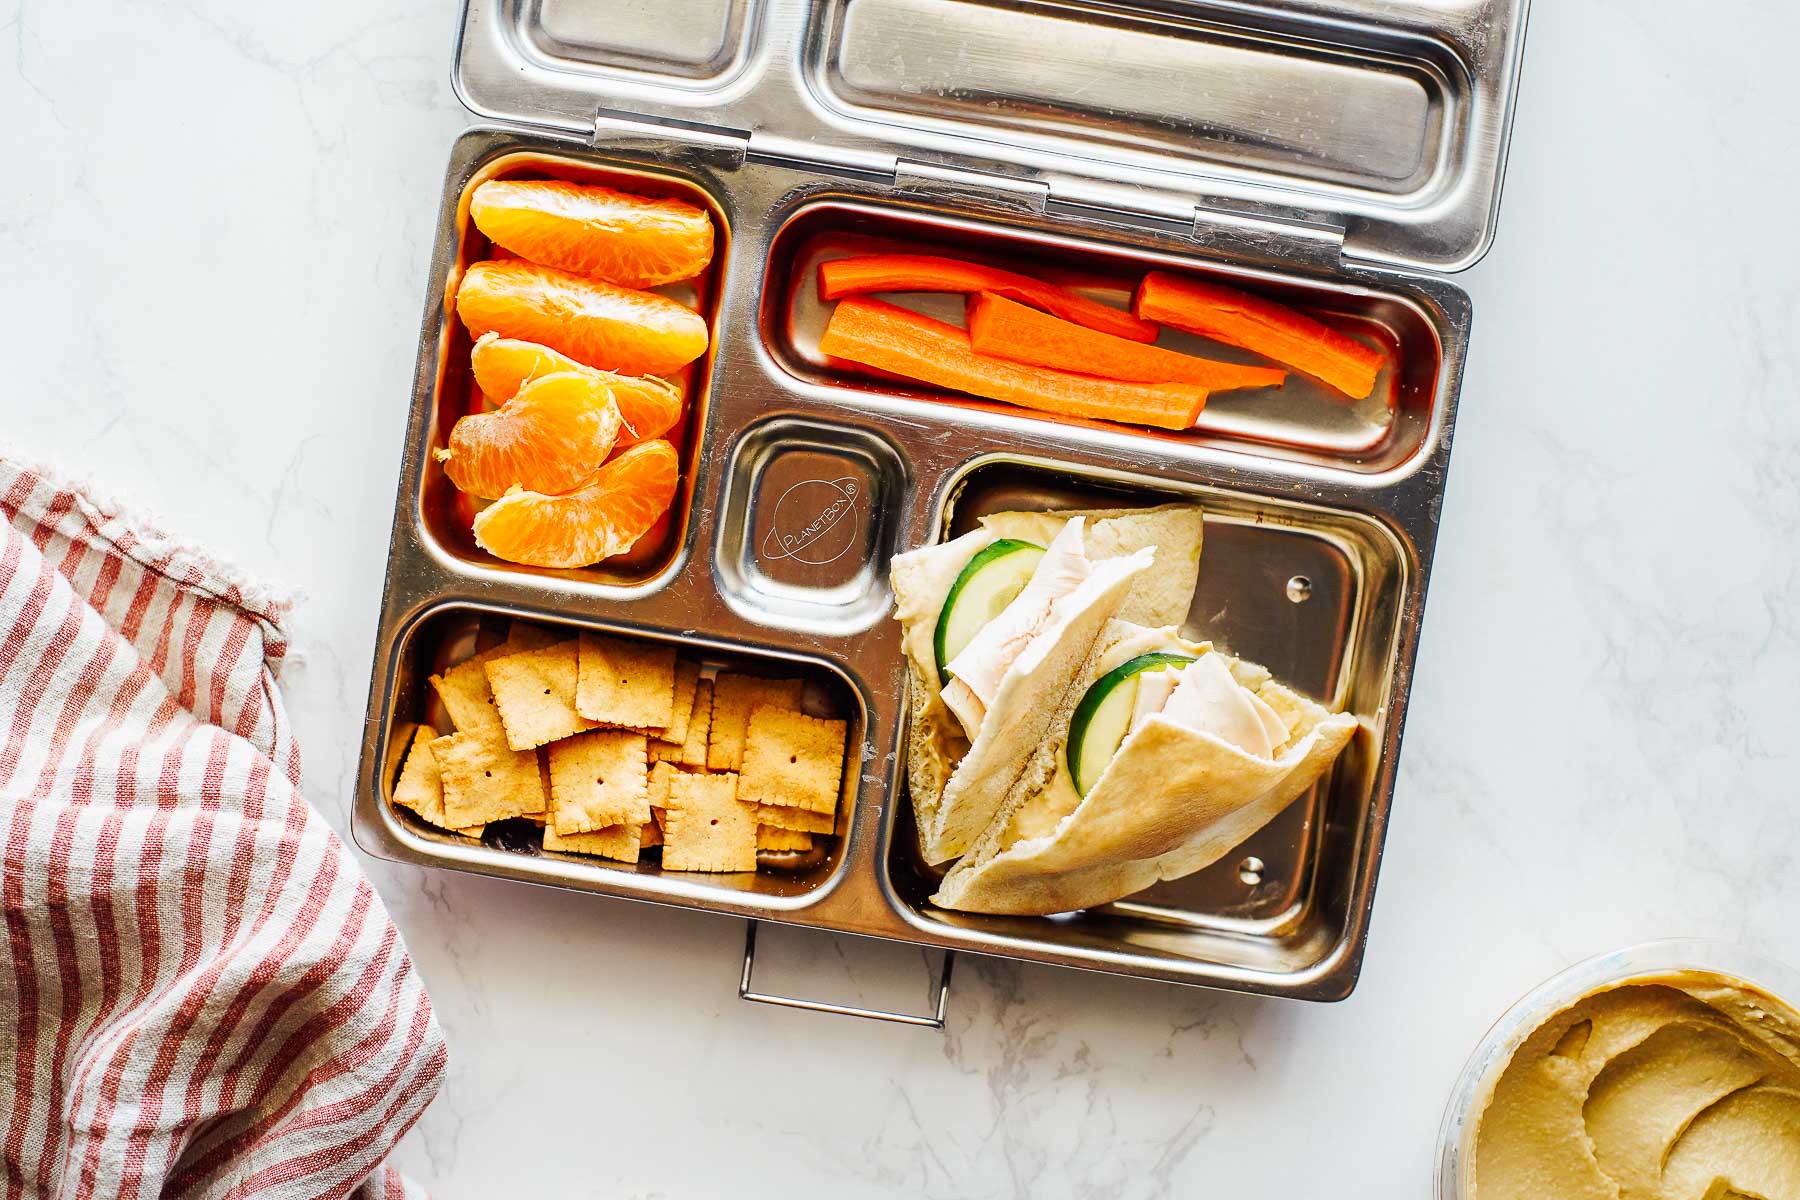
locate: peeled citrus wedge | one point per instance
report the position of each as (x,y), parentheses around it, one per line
(648,407)
(605,517)
(629,240)
(551,437)
(595,323)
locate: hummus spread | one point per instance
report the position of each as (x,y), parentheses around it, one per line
(1685,1086)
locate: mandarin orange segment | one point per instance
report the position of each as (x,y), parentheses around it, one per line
(633,241)
(551,437)
(605,517)
(649,407)
(595,323)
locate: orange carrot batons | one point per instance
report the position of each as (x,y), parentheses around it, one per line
(889,338)
(1002,328)
(1269,329)
(929,273)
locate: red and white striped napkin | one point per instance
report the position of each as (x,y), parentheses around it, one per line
(200,994)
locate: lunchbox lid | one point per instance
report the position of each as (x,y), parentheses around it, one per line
(1383,123)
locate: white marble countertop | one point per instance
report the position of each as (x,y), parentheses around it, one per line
(214,225)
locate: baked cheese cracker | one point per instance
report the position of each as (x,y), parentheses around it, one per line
(484,781)
(773,837)
(687,678)
(463,690)
(622,681)
(707,828)
(661,774)
(620,842)
(599,779)
(733,698)
(797,819)
(693,749)
(650,834)
(535,693)
(792,760)
(420,786)
(523,635)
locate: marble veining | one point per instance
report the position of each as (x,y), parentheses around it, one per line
(214,225)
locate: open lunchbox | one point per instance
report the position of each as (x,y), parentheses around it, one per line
(1339,156)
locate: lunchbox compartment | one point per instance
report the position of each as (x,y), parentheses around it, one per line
(809,513)
(1315,595)
(447,634)
(445,513)
(1302,420)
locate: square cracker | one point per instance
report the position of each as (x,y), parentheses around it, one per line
(693,750)
(707,828)
(620,842)
(773,837)
(662,774)
(621,681)
(797,819)
(535,693)
(523,635)
(792,760)
(484,781)
(650,834)
(734,696)
(687,679)
(463,690)
(599,779)
(420,787)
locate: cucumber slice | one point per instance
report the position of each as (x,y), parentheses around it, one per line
(1103,717)
(991,581)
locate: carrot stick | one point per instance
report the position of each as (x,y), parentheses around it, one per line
(928,273)
(999,327)
(889,338)
(1271,330)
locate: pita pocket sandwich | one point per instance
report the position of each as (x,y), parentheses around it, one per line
(1165,756)
(998,624)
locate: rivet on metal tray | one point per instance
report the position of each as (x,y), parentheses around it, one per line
(1251,870)
(1299,589)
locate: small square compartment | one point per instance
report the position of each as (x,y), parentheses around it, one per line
(1315,595)
(807,524)
(448,633)
(445,514)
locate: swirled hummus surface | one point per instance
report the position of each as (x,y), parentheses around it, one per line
(1683,1086)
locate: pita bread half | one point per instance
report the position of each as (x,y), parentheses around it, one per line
(921,581)
(1162,597)
(935,742)
(1024,709)
(1173,800)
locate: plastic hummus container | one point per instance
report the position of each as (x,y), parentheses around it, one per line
(1749,990)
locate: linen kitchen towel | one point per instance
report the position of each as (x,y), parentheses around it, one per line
(200,994)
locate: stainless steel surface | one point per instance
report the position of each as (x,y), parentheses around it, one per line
(933,1021)
(807,524)
(1361,532)
(1383,123)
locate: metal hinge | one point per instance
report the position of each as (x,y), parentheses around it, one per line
(1250,228)
(1235,227)
(617,128)
(971,183)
